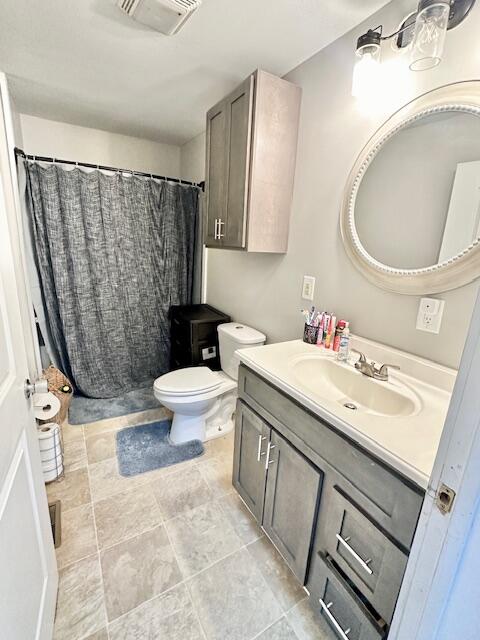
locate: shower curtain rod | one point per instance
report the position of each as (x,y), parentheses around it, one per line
(22,154)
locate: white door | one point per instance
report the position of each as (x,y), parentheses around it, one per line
(28,573)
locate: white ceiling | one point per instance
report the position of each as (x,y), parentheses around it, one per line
(84,62)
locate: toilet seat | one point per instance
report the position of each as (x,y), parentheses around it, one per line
(191,381)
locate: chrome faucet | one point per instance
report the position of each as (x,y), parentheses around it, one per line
(369,368)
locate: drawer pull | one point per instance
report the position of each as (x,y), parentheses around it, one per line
(363,563)
(343,634)
(259,452)
(267,459)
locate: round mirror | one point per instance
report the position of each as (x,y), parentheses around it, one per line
(411,215)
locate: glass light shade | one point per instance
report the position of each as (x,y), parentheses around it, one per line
(366,70)
(429,36)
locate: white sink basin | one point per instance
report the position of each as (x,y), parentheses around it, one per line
(342,383)
(400,420)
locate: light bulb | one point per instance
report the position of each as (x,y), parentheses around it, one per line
(429,36)
(365,73)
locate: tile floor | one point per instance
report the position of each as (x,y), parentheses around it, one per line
(172,554)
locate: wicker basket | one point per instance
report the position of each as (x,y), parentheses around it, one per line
(56,380)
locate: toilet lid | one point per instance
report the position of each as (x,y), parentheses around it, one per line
(191,380)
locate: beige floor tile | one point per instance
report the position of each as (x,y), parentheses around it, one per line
(220,447)
(98,635)
(278,576)
(201,537)
(240,518)
(144,417)
(71,432)
(126,514)
(80,605)
(101,446)
(307,623)
(181,491)
(104,426)
(218,475)
(73,490)
(75,454)
(105,480)
(281,630)
(78,535)
(167,617)
(232,599)
(138,569)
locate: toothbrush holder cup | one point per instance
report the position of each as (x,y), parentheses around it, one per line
(310,334)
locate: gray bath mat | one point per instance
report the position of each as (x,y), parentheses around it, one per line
(84,410)
(148,447)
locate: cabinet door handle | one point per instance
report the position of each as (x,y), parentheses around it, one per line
(363,563)
(215,233)
(220,224)
(259,451)
(267,459)
(343,634)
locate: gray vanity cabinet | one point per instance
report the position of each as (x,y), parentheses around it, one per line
(278,485)
(249,476)
(342,519)
(291,499)
(250,165)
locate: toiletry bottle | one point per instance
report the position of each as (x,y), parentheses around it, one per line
(331,332)
(320,328)
(344,346)
(326,323)
(338,334)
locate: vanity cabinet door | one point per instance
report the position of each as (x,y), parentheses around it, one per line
(251,440)
(291,502)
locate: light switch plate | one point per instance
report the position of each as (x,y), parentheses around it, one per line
(308,287)
(430,313)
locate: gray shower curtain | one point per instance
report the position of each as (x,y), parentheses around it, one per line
(113,252)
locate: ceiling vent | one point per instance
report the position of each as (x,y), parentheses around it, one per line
(166,16)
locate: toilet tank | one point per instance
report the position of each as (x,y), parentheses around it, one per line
(233,336)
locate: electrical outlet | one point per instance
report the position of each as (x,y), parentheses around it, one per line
(430,313)
(308,287)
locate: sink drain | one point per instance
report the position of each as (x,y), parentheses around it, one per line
(350,405)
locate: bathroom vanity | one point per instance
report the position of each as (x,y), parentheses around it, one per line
(340,503)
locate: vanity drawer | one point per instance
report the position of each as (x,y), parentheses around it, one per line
(368,558)
(339,606)
(391,500)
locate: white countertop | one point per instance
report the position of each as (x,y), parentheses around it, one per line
(407,443)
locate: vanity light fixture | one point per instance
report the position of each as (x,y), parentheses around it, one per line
(423,31)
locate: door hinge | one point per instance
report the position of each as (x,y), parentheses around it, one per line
(444,498)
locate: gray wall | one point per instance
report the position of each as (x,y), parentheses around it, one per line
(264,290)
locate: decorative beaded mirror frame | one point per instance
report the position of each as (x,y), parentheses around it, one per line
(449,274)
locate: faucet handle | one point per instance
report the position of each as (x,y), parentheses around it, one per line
(382,373)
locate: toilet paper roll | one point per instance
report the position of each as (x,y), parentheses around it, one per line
(49,476)
(52,465)
(48,435)
(45,406)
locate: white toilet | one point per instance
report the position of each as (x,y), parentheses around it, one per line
(203,401)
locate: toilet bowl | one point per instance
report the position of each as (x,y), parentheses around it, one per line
(203,401)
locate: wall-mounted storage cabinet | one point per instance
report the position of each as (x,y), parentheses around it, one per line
(250,165)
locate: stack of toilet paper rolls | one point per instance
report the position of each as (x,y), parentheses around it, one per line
(51,454)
